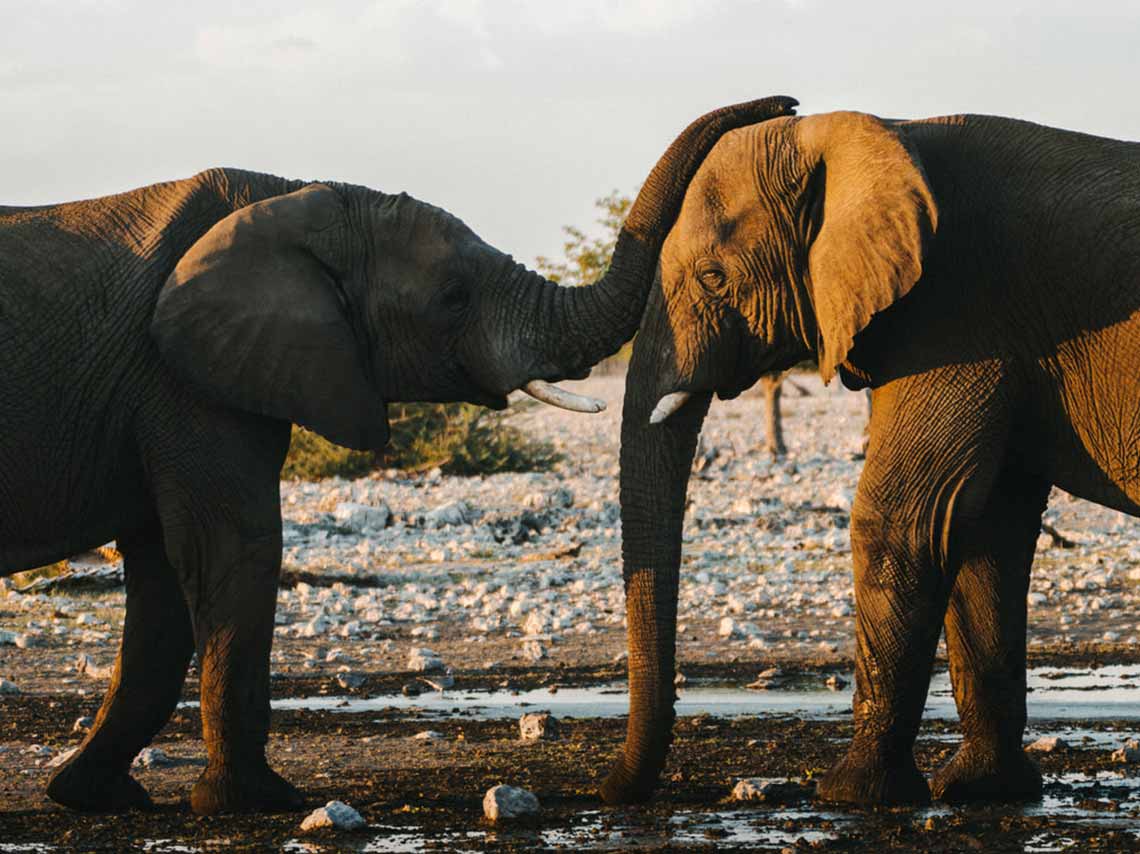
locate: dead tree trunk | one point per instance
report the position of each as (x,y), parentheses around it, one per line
(774,439)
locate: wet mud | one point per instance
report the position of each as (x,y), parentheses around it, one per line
(425,794)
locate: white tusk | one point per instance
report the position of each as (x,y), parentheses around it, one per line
(563,399)
(668,405)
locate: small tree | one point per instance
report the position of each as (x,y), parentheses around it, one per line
(585,258)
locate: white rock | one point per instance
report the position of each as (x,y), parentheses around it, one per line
(363,518)
(508,802)
(532,650)
(62,758)
(24,641)
(424,660)
(335,814)
(83,724)
(7,687)
(455,513)
(86,666)
(538,726)
(427,735)
(1050,744)
(770,791)
(152,757)
(315,627)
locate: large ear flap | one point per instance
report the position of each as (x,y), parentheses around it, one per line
(877,215)
(253,318)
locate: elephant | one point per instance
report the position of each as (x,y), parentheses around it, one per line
(981,276)
(157,346)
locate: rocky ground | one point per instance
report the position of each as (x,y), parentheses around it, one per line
(514,580)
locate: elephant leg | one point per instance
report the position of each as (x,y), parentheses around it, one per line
(937,442)
(145,687)
(215,477)
(234,601)
(985,636)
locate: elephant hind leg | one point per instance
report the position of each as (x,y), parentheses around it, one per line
(985,638)
(145,687)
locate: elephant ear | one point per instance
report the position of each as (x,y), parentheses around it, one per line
(253,318)
(877,215)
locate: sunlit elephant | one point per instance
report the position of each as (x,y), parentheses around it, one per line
(155,347)
(982,276)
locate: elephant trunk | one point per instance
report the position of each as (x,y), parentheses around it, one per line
(655,464)
(572,329)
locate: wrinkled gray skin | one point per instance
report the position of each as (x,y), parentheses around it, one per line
(982,276)
(156,346)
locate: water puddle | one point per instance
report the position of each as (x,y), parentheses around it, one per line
(1111,692)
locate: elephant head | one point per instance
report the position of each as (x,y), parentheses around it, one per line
(793,235)
(319,305)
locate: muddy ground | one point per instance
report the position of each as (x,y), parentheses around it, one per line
(766,582)
(426,795)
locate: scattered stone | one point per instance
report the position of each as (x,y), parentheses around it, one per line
(61,758)
(679,679)
(152,757)
(427,735)
(770,678)
(362,518)
(455,513)
(85,666)
(772,791)
(349,681)
(1127,754)
(336,815)
(538,726)
(835,682)
(424,660)
(440,683)
(533,650)
(7,687)
(503,803)
(39,750)
(25,641)
(83,724)
(1049,744)
(411,689)
(7,637)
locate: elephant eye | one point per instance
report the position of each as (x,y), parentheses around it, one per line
(456,297)
(712,277)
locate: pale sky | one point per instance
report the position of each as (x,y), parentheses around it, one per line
(513,115)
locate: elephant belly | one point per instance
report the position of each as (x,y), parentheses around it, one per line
(1093,446)
(63,492)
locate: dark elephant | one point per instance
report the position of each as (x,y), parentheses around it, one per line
(982,276)
(156,346)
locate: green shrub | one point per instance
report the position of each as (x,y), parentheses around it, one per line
(459,438)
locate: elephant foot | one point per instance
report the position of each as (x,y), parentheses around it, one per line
(244,788)
(75,787)
(975,773)
(863,778)
(623,786)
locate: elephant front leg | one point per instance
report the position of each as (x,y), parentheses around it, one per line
(937,441)
(234,601)
(985,637)
(145,687)
(899,608)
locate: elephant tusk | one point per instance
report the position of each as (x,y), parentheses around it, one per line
(668,405)
(563,399)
